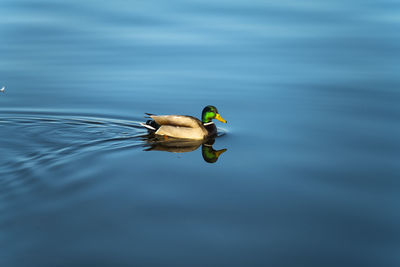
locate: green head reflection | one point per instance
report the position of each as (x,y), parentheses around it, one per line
(211,155)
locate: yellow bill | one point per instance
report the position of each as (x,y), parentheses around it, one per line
(218,117)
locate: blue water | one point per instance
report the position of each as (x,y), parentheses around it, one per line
(310,175)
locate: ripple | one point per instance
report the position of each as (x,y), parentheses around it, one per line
(32,143)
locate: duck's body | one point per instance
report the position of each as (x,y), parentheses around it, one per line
(187,127)
(179,126)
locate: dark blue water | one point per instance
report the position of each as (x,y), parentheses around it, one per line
(311,173)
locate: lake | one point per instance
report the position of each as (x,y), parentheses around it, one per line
(307,167)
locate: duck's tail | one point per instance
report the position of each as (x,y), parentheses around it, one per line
(150,125)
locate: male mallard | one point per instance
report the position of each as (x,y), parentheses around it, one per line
(188,127)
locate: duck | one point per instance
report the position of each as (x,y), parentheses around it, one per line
(183,126)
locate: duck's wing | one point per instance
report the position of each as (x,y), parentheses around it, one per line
(197,133)
(177,120)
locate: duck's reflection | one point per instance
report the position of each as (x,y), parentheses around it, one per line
(209,154)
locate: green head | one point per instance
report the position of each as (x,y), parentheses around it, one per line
(210,113)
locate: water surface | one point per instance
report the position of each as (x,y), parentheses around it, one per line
(310,172)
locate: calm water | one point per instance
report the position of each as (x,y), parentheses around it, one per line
(310,175)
